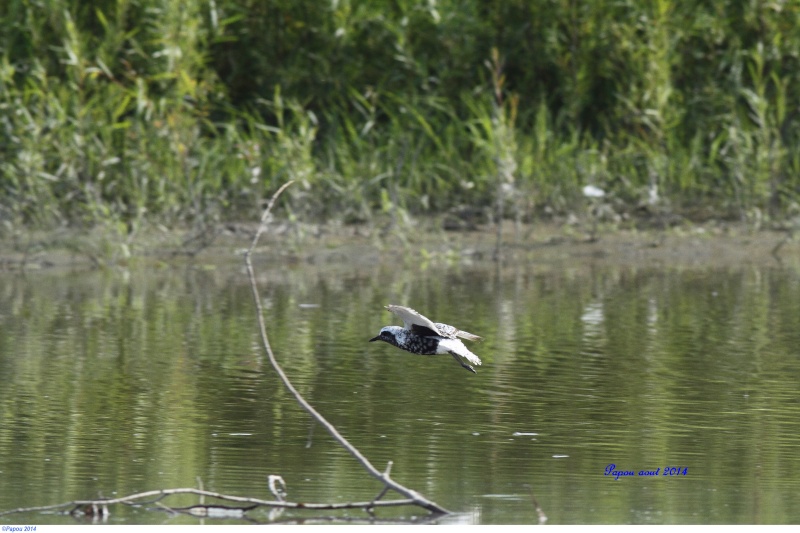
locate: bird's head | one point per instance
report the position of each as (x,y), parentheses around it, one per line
(387,334)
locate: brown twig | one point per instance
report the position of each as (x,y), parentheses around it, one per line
(414,497)
(155,496)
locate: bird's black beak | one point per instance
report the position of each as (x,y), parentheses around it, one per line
(373,339)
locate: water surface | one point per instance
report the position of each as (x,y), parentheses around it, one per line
(136,379)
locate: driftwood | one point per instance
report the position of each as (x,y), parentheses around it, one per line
(98,509)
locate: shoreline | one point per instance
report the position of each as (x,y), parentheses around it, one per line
(710,245)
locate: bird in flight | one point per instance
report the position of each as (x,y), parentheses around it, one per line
(422,336)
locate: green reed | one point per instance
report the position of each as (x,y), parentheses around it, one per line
(126,111)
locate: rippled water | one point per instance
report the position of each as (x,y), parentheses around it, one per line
(130,380)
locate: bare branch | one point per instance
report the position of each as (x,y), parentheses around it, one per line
(383,477)
(100,506)
(264,216)
(278,487)
(382,494)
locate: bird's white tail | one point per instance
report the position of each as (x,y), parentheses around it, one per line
(457,347)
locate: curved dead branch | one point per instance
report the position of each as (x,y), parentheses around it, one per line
(389,484)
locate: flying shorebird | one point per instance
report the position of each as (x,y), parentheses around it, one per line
(421,336)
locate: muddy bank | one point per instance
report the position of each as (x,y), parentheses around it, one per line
(708,245)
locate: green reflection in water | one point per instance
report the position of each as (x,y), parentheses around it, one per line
(119,382)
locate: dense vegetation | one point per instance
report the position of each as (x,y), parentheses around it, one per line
(120,110)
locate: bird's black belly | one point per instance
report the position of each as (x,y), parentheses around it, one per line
(421,345)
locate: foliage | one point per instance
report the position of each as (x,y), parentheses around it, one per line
(118,110)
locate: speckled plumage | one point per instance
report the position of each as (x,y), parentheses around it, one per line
(419,335)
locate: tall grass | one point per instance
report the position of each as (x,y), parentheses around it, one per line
(122,111)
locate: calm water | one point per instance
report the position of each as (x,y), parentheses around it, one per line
(123,381)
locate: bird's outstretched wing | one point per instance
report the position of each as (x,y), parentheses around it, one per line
(452,332)
(422,325)
(412,320)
